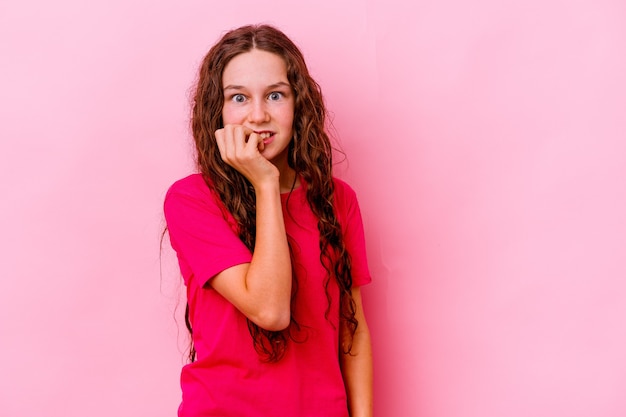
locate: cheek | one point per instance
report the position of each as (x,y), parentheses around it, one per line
(231,116)
(286,117)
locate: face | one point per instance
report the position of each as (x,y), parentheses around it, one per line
(257,95)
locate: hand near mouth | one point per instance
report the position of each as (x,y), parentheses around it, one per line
(266,137)
(241,147)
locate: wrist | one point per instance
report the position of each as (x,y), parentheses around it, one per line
(267,186)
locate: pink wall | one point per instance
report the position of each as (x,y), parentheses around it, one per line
(486,140)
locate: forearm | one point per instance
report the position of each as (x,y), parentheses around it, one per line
(269,277)
(357,367)
(261,289)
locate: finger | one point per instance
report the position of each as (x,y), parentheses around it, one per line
(240,137)
(261,145)
(234,137)
(221,142)
(237,130)
(246,141)
(255,142)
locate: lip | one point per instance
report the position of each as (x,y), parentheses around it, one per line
(269,136)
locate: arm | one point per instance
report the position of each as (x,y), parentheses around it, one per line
(357,366)
(261,289)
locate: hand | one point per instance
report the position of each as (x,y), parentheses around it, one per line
(241,148)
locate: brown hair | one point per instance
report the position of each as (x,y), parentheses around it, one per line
(310,155)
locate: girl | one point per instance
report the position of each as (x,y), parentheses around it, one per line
(270,245)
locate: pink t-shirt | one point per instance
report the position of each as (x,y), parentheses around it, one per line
(229,378)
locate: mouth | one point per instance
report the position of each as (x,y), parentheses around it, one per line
(266,136)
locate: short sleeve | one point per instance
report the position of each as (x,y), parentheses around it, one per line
(200,233)
(349,214)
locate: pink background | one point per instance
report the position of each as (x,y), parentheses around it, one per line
(486,141)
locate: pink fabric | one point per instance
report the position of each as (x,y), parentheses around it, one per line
(229,379)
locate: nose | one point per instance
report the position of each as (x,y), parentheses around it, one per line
(258,112)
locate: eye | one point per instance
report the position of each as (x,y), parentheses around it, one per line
(276,95)
(238,98)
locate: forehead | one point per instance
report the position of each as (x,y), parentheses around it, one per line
(255,67)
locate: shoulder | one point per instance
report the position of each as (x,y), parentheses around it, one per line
(345,199)
(343,191)
(193,184)
(189,194)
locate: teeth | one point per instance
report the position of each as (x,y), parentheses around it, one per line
(265,135)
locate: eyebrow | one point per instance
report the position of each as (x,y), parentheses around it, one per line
(269,87)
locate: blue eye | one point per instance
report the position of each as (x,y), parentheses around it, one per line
(239,98)
(275,96)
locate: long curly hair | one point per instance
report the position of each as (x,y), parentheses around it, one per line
(310,155)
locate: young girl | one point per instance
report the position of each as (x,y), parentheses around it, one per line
(270,245)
